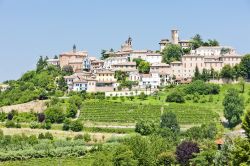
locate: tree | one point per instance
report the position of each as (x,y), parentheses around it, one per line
(176,96)
(67,70)
(227,72)
(144,67)
(62,85)
(233,107)
(205,75)
(142,96)
(197,74)
(76,125)
(145,127)
(54,114)
(41,64)
(71,111)
(246,123)
(185,151)
(213,42)
(123,156)
(196,41)
(242,84)
(137,61)
(171,53)
(66,124)
(169,120)
(245,66)
(121,75)
(240,153)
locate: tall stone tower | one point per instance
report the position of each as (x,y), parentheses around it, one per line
(175,36)
(74,48)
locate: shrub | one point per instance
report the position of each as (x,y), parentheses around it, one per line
(55,114)
(47,125)
(66,124)
(176,96)
(34,125)
(201,88)
(169,120)
(78,136)
(3,116)
(41,136)
(40,117)
(48,135)
(86,137)
(142,96)
(76,126)
(145,127)
(10,124)
(10,116)
(71,111)
(185,151)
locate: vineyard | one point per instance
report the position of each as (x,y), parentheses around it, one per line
(104,111)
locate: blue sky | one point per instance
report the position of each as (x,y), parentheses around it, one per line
(30,28)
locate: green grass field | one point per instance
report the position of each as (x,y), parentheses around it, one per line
(85,161)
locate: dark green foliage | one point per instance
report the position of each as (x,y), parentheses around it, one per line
(171,53)
(10,124)
(123,156)
(86,137)
(176,96)
(244,66)
(31,86)
(62,85)
(76,126)
(246,123)
(71,111)
(206,131)
(227,72)
(121,75)
(144,67)
(78,136)
(142,96)
(66,124)
(145,127)
(202,88)
(48,135)
(169,120)
(185,151)
(233,107)
(67,70)
(54,114)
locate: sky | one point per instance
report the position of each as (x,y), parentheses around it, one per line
(33,28)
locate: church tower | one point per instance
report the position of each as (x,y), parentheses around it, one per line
(175,36)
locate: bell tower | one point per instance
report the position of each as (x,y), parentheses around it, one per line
(175,36)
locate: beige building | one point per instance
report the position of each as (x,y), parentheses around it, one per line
(73,58)
(160,68)
(126,66)
(205,58)
(174,40)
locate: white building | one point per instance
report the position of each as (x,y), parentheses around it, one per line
(54,62)
(109,62)
(152,80)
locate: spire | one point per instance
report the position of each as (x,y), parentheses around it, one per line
(74,48)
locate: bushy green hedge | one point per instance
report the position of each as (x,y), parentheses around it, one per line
(202,88)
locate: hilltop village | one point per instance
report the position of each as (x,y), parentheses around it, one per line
(143,69)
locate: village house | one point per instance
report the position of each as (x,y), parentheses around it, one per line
(73,58)
(54,62)
(3,87)
(126,67)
